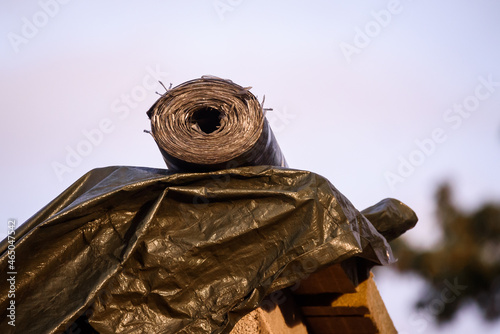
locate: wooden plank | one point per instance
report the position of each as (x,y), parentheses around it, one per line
(343,325)
(344,307)
(360,311)
(334,311)
(332,279)
(281,319)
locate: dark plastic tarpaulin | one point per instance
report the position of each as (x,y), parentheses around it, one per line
(142,250)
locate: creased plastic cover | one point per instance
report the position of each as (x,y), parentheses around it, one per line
(142,250)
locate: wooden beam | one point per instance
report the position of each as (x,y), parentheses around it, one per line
(281,319)
(360,312)
(332,279)
(327,302)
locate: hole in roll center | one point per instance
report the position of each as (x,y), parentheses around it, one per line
(208,119)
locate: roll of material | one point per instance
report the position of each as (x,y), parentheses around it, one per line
(210,124)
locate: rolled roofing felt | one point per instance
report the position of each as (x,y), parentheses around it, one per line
(210,124)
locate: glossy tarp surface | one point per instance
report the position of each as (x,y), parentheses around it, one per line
(142,250)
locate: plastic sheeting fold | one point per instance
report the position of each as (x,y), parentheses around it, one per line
(142,250)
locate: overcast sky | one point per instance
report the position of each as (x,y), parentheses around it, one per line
(385,99)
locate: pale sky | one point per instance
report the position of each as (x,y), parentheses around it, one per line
(385,99)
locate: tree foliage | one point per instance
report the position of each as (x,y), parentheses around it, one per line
(465,266)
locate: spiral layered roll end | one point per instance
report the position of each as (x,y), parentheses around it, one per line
(211,123)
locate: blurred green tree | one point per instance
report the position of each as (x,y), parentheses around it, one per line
(465,266)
